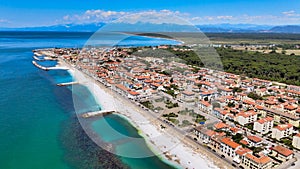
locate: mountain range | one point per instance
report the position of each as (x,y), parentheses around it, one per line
(149,27)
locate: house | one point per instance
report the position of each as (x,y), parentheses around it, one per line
(246,117)
(282,153)
(240,154)
(257,162)
(282,130)
(121,89)
(296,141)
(254,141)
(133,95)
(221,126)
(228,147)
(203,134)
(205,106)
(264,125)
(215,140)
(217,112)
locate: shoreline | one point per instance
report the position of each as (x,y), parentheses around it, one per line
(189,156)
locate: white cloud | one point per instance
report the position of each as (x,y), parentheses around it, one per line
(290,13)
(90,16)
(152,16)
(168,16)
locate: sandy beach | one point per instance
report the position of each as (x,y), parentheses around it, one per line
(167,143)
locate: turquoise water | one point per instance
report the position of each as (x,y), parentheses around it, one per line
(127,141)
(38,126)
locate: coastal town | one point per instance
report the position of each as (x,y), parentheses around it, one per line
(247,122)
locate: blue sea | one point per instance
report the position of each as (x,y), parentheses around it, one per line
(38,125)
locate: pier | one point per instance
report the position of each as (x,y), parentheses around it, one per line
(39,66)
(67,84)
(49,68)
(37,59)
(37,54)
(97,113)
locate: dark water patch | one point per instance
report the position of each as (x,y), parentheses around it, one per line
(81,152)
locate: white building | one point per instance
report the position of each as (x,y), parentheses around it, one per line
(246,117)
(264,125)
(229,147)
(282,153)
(282,130)
(296,141)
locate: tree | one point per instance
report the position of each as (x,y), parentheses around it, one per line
(254,96)
(171,80)
(230,104)
(237,138)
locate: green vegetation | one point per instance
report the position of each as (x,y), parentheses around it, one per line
(198,118)
(249,126)
(277,67)
(273,66)
(256,149)
(185,123)
(170,115)
(254,96)
(237,138)
(170,104)
(231,104)
(288,142)
(173,120)
(186,111)
(237,89)
(148,104)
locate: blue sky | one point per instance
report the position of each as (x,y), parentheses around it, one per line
(20,13)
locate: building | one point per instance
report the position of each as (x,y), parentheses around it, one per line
(282,153)
(296,141)
(228,147)
(205,106)
(257,162)
(282,130)
(264,125)
(246,117)
(203,134)
(254,141)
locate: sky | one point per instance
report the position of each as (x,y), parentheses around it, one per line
(30,13)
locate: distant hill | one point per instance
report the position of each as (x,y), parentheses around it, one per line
(234,28)
(286,29)
(149,27)
(61,28)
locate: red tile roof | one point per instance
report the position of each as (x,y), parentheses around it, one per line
(230,143)
(254,139)
(283,127)
(247,114)
(282,150)
(220,125)
(261,160)
(242,151)
(264,120)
